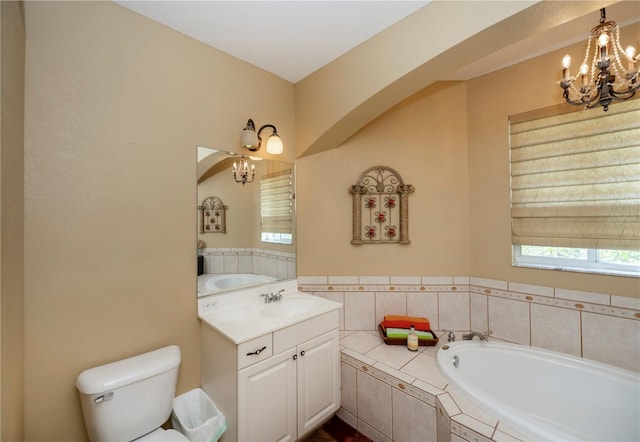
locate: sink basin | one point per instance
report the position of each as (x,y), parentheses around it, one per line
(288,307)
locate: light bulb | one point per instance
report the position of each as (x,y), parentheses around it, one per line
(630,52)
(583,71)
(603,40)
(566,62)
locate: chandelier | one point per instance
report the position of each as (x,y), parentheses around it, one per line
(242,173)
(606,79)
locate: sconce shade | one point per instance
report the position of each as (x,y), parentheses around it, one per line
(249,138)
(274,145)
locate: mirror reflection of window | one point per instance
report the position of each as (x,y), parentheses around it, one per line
(276,207)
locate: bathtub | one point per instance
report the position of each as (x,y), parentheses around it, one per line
(212,283)
(545,395)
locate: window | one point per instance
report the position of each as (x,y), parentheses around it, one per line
(615,262)
(276,207)
(575,189)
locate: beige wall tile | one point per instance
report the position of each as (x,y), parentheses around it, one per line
(423,304)
(555,329)
(337,297)
(611,340)
(576,295)
(390,303)
(349,394)
(374,403)
(453,310)
(359,311)
(509,319)
(413,420)
(415,280)
(479,312)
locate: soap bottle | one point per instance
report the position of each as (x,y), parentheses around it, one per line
(412,339)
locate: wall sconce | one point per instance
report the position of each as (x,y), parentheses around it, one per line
(253,141)
(242,173)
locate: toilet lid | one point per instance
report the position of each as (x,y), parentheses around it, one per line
(161,435)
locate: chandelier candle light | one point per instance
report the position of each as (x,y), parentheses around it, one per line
(242,173)
(598,84)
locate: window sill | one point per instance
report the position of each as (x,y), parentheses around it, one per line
(594,271)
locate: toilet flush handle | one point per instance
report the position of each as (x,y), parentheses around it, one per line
(104,397)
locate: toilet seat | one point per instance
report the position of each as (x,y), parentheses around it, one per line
(161,435)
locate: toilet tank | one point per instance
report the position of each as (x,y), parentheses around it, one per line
(127,399)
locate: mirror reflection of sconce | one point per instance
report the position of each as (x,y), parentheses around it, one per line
(253,141)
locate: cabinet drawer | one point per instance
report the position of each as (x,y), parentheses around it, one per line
(255,350)
(303,331)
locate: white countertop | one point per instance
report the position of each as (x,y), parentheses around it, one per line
(243,315)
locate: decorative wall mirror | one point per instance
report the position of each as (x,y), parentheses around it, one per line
(381,207)
(240,257)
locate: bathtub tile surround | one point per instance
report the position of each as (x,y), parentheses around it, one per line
(410,402)
(597,326)
(593,325)
(279,265)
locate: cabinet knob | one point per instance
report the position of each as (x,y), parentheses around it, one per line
(302,353)
(295,357)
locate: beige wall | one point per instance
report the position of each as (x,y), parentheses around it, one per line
(424,140)
(452,145)
(341,98)
(115,106)
(12,37)
(492,98)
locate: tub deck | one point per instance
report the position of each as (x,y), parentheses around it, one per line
(417,375)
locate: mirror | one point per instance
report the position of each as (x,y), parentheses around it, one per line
(248,237)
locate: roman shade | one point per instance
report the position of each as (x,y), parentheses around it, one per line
(276,202)
(575,178)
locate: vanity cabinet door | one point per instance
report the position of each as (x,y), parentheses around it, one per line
(267,399)
(318,381)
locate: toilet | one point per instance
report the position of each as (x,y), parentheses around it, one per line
(130,399)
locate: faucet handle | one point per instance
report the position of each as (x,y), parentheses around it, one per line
(487,333)
(451,336)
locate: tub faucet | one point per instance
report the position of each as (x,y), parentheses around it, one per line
(451,336)
(484,336)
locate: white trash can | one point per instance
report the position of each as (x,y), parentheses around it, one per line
(196,416)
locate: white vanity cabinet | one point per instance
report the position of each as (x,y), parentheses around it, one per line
(278,386)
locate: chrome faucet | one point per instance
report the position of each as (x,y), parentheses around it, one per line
(272,297)
(484,336)
(451,336)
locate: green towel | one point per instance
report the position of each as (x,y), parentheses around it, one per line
(403,333)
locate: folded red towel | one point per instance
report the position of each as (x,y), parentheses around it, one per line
(422,325)
(405,318)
